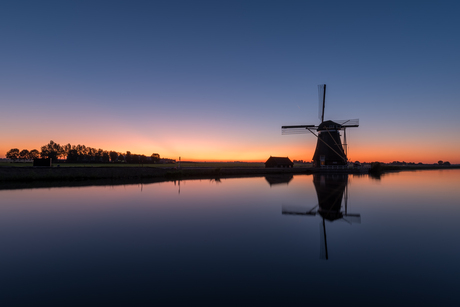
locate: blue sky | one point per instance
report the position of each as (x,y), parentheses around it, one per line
(217,79)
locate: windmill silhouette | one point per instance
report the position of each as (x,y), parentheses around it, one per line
(329,148)
(331,189)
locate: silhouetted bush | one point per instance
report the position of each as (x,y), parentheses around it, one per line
(376,167)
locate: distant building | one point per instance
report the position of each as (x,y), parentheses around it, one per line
(279,162)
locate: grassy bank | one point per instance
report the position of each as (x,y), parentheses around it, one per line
(28,173)
(382,168)
(183,165)
(24,172)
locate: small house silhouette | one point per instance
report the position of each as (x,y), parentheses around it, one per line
(279,162)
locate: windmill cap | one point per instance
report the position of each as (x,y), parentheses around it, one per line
(329,124)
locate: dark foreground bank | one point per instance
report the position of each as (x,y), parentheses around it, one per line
(15,177)
(24,174)
(377,167)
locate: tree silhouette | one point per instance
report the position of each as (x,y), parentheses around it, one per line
(128,157)
(13,154)
(142,159)
(34,154)
(113,156)
(121,158)
(24,154)
(135,159)
(155,157)
(72,156)
(105,156)
(80,153)
(51,150)
(66,150)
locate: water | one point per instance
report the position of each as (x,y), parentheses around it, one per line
(227,242)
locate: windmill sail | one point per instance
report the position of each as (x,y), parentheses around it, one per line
(346,123)
(352,218)
(299,129)
(321,101)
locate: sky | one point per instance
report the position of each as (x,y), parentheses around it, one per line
(216,80)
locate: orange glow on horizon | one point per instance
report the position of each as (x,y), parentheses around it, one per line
(215,150)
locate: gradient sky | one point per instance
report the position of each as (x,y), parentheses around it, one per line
(216,80)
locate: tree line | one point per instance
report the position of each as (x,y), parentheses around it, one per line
(79,153)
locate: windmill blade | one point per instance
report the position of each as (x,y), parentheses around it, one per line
(292,210)
(321,100)
(347,122)
(352,218)
(322,241)
(298,126)
(299,129)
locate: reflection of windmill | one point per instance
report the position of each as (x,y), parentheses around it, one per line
(329,147)
(330,189)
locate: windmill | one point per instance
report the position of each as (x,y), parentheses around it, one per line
(329,148)
(331,189)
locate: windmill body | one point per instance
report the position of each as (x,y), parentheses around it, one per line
(329,147)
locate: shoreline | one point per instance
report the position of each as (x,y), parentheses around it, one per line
(23,174)
(17,177)
(45,177)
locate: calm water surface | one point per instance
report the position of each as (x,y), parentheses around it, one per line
(238,242)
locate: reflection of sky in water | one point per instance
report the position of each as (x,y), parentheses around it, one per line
(228,243)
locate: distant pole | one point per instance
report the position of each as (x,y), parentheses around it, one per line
(179,162)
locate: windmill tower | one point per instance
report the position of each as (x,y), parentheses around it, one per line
(329,148)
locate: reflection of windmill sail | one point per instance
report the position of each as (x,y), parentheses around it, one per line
(330,190)
(322,241)
(329,148)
